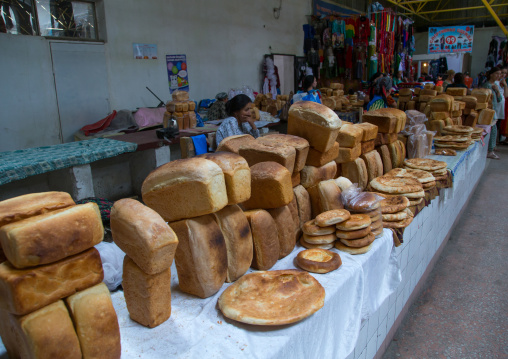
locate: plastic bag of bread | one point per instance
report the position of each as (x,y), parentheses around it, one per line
(357,201)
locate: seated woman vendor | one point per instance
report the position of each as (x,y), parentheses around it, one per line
(309,86)
(239,121)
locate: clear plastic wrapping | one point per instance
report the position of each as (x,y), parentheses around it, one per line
(419,139)
(355,200)
(112,264)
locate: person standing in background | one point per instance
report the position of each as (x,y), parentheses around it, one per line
(493,75)
(449,78)
(309,87)
(468,80)
(503,107)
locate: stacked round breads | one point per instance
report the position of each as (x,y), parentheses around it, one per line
(427,180)
(455,137)
(476,135)
(436,168)
(395,212)
(404,186)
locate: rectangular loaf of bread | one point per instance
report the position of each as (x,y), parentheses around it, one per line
(318,159)
(143,235)
(180,95)
(456,91)
(295,179)
(303,203)
(201,256)
(384,153)
(52,236)
(441,103)
(349,135)
(356,172)
(285,229)
(265,239)
(385,138)
(440,116)
(300,145)
(330,195)
(311,175)
(369,131)
(428,92)
(293,208)
(33,204)
(148,296)
(236,174)
(374,164)
(185,188)
(388,120)
(471,119)
(238,238)
(96,323)
(315,122)
(233,143)
(486,117)
(369,146)
(349,154)
(24,290)
(256,152)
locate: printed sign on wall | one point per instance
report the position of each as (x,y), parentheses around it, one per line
(144,51)
(450,39)
(177,73)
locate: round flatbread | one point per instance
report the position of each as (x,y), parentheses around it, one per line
(398,224)
(428,185)
(318,260)
(394,204)
(425,164)
(364,202)
(415,202)
(272,297)
(459,129)
(373,213)
(376,225)
(378,232)
(312,246)
(396,185)
(312,229)
(446,152)
(376,218)
(451,138)
(421,175)
(440,172)
(452,145)
(391,217)
(358,243)
(353,234)
(352,250)
(329,218)
(324,239)
(441,178)
(414,195)
(355,222)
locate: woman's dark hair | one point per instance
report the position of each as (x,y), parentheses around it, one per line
(492,70)
(375,76)
(458,78)
(307,82)
(237,103)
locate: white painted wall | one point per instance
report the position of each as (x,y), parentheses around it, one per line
(482,38)
(224,41)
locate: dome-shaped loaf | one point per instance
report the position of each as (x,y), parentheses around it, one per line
(185,188)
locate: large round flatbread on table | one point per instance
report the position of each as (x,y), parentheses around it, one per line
(420,175)
(425,164)
(452,145)
(396,185)
(459,129)
(394,204)
(451,138)
(272,297)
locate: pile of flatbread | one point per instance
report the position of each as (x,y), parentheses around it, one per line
(436,168)
(408,187)
(395,211)
(426,178)
(476,135)
(455,137)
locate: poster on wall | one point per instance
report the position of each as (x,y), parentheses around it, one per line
(144,51)
(177,73)
(451,39)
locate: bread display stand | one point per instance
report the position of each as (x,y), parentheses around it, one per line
(377,288)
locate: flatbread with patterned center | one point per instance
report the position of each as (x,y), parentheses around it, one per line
(396,185)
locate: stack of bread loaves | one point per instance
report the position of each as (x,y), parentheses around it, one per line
(150,245)
(182,109)
(320,232)
(52,301)
(436,168)
(454,137)
(483,107)
(350,139)
(476,135)
(395,211)
(355,234)
(367,203)
(440,108)
(214,241)
(425,178)
(404,186)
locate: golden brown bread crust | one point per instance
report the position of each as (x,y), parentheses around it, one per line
(318,260)
(185,188)
(355,222)
(369,131)
(317,159)
(265,239)
(301,146)
(425,164)
(352,250)
(272,298)
(399,224)
(233,143)
(364,202)
(96,323)
(304,205)
(52,236)
(238,237)
(293,208)
(147,296)
(236,174)
(143,235)
(360,242)
(324,239)
(311,175)
(33,204)
(312,229)
(295,179)
(349,135)
(394,204)
(24,290)
(49,332)
(349,154)
(360,233)
(356,172)
(285,229)
(201,256)
(257,152)
(396,185)
(330,195)
(329,218)
(307,245)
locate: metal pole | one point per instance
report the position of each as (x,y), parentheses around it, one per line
(494,15)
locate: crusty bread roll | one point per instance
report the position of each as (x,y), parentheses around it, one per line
(96,323)
(256,152)
(349,154)
(233,143)
(318,260)
(143,235)
(148,296)
(315,122)
(311,175)
(185,188)
(271,186)
(318,159)
(265,239)
(349,135)
(52,236)
(236,174)
(304,205)
(285,229)
(441,103)
(45,333)
(201,256)
(369,131)
(24,290)
(33,204)
(300,145)
(238,237)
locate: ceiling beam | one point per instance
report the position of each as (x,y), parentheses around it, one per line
(408,10)
(494,15)
(467,18)
(461,9)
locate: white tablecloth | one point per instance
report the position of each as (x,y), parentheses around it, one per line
(197,329)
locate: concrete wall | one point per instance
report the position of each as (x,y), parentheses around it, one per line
(482,38)
(224,41)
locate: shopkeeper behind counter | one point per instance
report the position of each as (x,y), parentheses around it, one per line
(240,121)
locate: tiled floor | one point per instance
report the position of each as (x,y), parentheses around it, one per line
(463,309)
